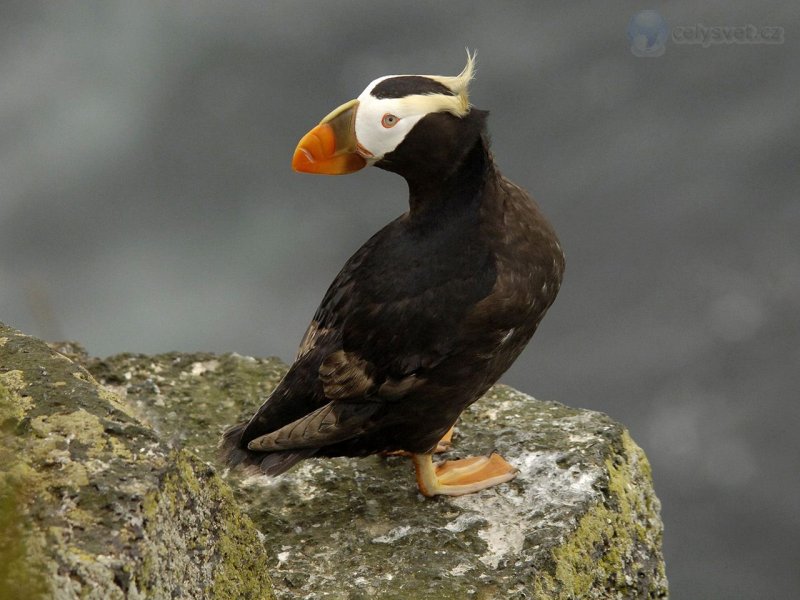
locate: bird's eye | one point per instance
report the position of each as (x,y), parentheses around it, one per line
(389,120)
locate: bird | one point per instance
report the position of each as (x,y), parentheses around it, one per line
(426,316)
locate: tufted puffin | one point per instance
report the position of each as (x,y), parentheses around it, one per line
(430,311)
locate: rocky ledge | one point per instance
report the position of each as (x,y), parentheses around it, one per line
(109,489)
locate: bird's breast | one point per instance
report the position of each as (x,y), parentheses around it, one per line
(528,262)
(411,262)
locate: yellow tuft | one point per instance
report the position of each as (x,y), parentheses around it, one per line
(459,85)
(458,105)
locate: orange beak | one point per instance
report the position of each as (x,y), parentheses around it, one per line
(331,148)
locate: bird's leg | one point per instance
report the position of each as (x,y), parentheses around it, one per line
(443,445)
(459,477)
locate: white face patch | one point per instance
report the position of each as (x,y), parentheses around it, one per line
(372,132)
(383,123)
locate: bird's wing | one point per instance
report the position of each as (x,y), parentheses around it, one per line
(332,423)
(395,312)
(386,321)
(368,354)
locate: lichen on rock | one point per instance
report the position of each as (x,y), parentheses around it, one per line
(581,520)
(22,572)
(109,489)
(94,505)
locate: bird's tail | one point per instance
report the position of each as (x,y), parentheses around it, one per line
(269,463)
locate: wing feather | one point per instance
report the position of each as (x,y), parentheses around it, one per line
(334,422)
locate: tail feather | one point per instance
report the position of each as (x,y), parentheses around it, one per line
(269,463)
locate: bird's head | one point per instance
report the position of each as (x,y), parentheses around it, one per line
(399,122)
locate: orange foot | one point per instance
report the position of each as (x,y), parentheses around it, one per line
(459,477)
(445,443)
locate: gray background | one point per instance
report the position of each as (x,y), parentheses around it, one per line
(147,204)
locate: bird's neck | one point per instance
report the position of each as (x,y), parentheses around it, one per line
(454,191)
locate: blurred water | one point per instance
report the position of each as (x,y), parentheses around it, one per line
(146,204)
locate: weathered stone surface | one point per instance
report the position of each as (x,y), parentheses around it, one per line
(580,521)
(93,504)
(107,492)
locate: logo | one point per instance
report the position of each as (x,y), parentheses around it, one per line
(648,34)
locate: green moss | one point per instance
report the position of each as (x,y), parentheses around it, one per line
(13,380)
(221,557)
(94,504)
(613,542)
(22,570)
(144,575)
(13,407)
(242,572)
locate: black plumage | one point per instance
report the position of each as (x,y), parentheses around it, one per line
(424,317)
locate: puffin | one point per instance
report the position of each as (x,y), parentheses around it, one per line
(426,316)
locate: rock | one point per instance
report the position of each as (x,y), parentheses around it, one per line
(94,504)
(109,492)
(580,521)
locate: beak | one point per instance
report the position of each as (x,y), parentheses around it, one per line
(331,148)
